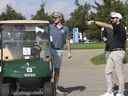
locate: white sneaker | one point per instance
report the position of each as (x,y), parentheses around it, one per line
(59,92)
(107,94)
(119,94)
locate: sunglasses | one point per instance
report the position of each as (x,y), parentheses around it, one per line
(55,17)
(113,17)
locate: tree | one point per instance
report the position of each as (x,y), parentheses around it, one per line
(125,7)
(103,13)
(104,10)
(41,14)
(79,17)
(10,14)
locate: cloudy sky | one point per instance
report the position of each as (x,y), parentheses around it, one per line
(29,7)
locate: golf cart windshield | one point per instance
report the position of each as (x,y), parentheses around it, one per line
(20,39)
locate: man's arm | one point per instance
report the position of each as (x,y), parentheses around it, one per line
(104,34)
(68,45)
(99,23)
(122,33)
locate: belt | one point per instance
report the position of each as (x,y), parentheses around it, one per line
(53,47)
(117,49)
(56,48)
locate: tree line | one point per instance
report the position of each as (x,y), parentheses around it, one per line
(79,17)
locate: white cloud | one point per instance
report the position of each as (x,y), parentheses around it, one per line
(64,6)
(27,8)
(3,4)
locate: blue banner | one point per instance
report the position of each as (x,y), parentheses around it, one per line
(75,35)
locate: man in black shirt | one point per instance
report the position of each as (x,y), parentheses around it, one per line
(115,59)
(117,52)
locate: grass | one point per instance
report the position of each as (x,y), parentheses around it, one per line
(99,45)
(100,59)
(92,45)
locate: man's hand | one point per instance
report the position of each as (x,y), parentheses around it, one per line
(90,22)
(69,55)
(68,47)
(104,39)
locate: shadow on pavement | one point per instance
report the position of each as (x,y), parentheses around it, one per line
(115,88)
(68,90)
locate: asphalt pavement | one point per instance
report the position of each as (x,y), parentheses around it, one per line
(82,78)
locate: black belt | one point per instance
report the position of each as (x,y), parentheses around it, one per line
(117,49)
(53,47)
(56,48)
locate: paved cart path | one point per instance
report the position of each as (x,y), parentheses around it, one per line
(79,73)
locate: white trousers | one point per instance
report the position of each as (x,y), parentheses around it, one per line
(114,66)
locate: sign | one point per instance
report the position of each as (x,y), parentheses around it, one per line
(26,51)
(75,35)
(38,29)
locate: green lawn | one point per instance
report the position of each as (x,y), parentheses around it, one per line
(92,45)
(99,45)
(100,59)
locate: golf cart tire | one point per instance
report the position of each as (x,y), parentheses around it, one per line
(49,89)
(5,90)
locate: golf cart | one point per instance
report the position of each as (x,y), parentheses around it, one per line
(25,60)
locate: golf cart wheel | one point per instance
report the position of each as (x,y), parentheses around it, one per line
(49,89)
(5,90)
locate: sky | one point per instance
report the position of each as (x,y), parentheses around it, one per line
(29,7)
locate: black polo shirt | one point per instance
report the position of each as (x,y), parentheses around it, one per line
(119,37)
(108,33)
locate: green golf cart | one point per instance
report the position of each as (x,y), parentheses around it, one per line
(25,60)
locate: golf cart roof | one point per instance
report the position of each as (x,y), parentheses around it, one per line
(24,22)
